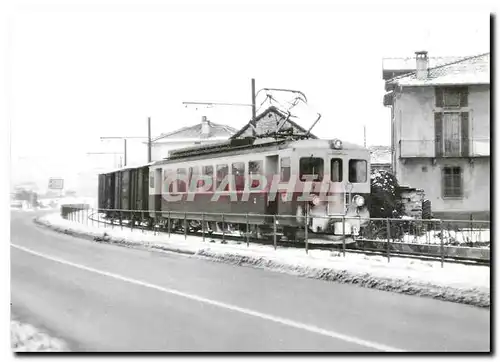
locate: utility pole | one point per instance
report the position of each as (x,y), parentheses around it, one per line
(124,145)
(149,139)
(124,152)
(254,108)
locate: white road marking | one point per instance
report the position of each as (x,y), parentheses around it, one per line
(276,319)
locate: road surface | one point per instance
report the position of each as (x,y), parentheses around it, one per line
(100,297)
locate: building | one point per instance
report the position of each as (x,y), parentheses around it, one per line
(203,133)
(271,121)
(380,158)
(440,133)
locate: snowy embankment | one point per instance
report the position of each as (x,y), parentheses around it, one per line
(26,338)
(455,282)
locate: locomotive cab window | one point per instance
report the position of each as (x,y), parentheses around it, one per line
(285,169)
(336,170)
(357,171)
(311,169)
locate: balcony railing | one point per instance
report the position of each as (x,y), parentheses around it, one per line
(476,147)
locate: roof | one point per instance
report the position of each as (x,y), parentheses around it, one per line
(409,63)
(216,131)
(471,70)
(380,155)
(268,121)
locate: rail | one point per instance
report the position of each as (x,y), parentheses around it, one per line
(453,241)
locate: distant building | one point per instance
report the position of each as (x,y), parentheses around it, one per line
(206,132)
(440,133)
(380,158)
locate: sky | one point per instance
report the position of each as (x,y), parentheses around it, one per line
(75,74)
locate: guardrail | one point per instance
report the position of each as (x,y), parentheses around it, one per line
(444,240)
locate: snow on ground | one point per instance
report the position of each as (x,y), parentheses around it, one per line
(450,236)
(26,338)
(418,271)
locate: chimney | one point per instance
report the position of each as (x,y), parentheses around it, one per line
(205,127)
(422,64)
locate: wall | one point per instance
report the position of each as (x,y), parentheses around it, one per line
(423,174)
(414,123)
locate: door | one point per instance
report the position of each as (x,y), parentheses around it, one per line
(271,170)
(158,182)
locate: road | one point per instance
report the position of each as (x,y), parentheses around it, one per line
(100,297)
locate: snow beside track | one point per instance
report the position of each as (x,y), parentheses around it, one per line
(462,283)
(26,338)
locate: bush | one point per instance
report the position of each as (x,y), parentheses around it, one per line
(385,198)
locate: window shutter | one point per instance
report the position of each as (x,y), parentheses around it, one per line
(464,97)
(438,131)
(465,134)
(439,96)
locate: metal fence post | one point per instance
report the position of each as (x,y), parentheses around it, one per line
(169,224)
(203,226)
(388,240)
(306,221)
(92,219)
(442,243)
(223,229)
(343,233)
(132,222)
(185,227)
(121,220)
(142,221)
(247,236)
(274,231)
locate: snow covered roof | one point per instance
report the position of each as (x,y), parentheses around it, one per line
(380,155)
(196,132)
(471,70)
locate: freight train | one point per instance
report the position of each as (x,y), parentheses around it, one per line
(255,185)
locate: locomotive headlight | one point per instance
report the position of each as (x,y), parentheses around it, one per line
(315,201)
(336,144)
(359,200)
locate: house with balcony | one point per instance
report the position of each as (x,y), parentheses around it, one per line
(440,133)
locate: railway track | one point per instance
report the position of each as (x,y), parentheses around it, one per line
(342,248)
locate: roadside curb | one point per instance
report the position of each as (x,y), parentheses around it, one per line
(472,296)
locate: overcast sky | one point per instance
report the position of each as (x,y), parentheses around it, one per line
(76,74)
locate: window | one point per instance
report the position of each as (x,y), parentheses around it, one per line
(192,174)
(452,134)
(336,170)
(285,169)
(208,173)
(238,170)
(451,97)
(311,166)
(255,168)
(151,180)
(222,172)
(452,182)
(357,171)
(181,180)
